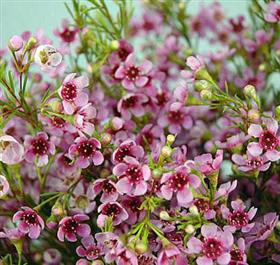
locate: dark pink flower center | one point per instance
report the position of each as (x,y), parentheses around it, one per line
(202,205)
(129,102)
(212,248)
(69,92)
(133,203)
(162,98)
(236,255)
(30,218)
(239,219)
(57,122)
(122,152)
(176,116)
(68,35)
(268,141)
(132,73)
(255,162)
(178,181)
(146,260)
(93,252)
(67,162)
(86,149)
(134,173)
(109,188)
(147,138)
(111,210)
(40,146)
(123,53)
(70,226)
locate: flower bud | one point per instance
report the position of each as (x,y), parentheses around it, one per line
(250,91)
(30,43)
(164,215)
(166,151)
(114,45)
(141,247)
(262,67)
(201,85)
(206,94)
(277,113)
(117,123)
(97,262)
(253,115)
(106,138)
(193,210)
(189,229)
(170,139)
(16,43)
(157,173)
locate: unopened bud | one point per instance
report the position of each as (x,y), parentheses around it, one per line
(30,43)
(164,215)
(262,67)
(117,123)
(157,173)
(114,45)
(206,95)
(141,247)
(97,262)
(253,115)
(250,91)
(189,229)
(170,139)
(16,43)
(106,138)
(201,85)
(166,151)
(193,210)
(277,113)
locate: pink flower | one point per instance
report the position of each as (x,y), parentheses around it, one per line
(30,222)
(214,246)
(207,165)
(90,249)
(171,255)
(65,165)
(176,118)
(86,150)
(269,141)
(127,148)
(11,151)
(67,34)
(238,218)
(132,206)
(238,255)
(132,176)
(16,43)
(71,92)
(248,162)
(204,207)
(71,226)
(113,210)
(178,182)
(195,63)
(273,13)
(225,189)
(108,189)
(4,186)
(132,104)
(38,148)
(133,76)
(150,135)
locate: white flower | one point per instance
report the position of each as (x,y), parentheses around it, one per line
(47,57)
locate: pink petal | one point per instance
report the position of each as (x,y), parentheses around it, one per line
(140,189)
(98,158)
(254,149)
(224,259)
(124,186)
(81,82)
(82,99)
(34,232)
(83,230)
(194,245)
(204,261)
(255,130)
(68,107)
(273,155)
(142,81)
(184,196)
(166,192)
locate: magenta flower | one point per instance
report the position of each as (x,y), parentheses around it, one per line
(204,207)
(269,141)
(67,34)
(38,148)
(248,162)
(11,151)
(132,104)
(150,135)
(238,218)
(113,210)
(133,76)
(171,255)
(127,148)
(108,189)
(178,183)
(89,249)
(71,226)
(132,176)
(86,150)
(4,186)
(132,206)
(207,165)
(30,222)
(238,255)
(273,13)
(71,92)
(176,118)
(213,247)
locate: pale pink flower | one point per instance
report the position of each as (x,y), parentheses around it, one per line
(4,186)
(11,151)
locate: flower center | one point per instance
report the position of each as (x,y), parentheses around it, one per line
(239,219)
(178,181)
(69,92)
(57,122)
(255,163)
(108,188)
(86,149)
(133,203)
(134,174)
(202,205)
(268,141)
(71,226)
(93,252)
(176,116)
(212,248)
(129,102)
(68,35)
(145,260)
(132,73)
(162,98)
(236,255)
(147,138)
(111,210)
(40,146)
(122,152)
(30,218)
(123,54)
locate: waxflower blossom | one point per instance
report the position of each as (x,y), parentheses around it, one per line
(132,176)
(67,34)
(113,210)
(4,186)
(214,247)
(133,76)
(16,43)
(86,151)
(237,254)
(71,92)
(38,148)
(11,151)
(47,57)
(273,13)
(71,226)
(29,222)
(238,218)
(178,183)
(176,117)
(108,189)
(171,254)
(269,141)
(195,64)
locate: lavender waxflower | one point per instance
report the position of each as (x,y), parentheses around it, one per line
(30,222)
(71,226)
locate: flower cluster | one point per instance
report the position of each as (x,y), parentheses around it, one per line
(172,157)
